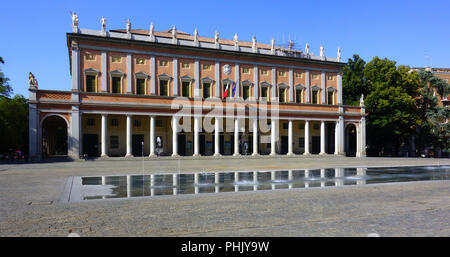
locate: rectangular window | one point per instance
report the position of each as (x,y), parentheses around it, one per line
(206,66)
(90,83)
(164,88)
(299,96)
(116,85)
(137,123)
(245,92)
(163,63)
(330,97)
(246,70)
(90,57)
(315,97)
(90,122)
(285,125)
(316,126)
(114,142)
(299,75)
(314,76)
(281,73)
(116,59)
(140,86)
(264,72)
(185,65)
(114,123)
(206,90)
(282,95)
(140,61)
(330,77)
(264,92)
(186,89)
(301,126)
(158,123)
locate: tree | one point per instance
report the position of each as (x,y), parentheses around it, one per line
(353,81)
(5,88)
(435,128)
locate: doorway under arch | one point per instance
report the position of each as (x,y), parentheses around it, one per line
(350,140)
(54,136)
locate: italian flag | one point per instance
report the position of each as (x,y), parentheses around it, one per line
(225,94)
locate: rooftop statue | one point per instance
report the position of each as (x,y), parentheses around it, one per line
(32,81)
(253,42)
(361,100)
(339,54)
(128,26)
(152,28)
(216,37)
(103,21)
(307,49)
(321,51)
(74,19)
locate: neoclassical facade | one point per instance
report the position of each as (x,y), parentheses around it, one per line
(168,93)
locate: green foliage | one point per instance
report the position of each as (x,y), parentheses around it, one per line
(435,128)
(5,88)
(353,81)
(13,123)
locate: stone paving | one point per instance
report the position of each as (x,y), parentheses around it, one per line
(30,195)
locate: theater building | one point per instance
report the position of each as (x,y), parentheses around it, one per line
(164,93)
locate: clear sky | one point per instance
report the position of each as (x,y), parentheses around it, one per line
(414,33)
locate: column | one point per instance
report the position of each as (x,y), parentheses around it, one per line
(217,82)
(74,137)
(322,138)
(236,78)
(255,136)
(196,78)
(152,136)
(129,153)
(255,82)
(358,140)
(196,136)
(104,72)
(341,135)
(174,136)
(291,85)
(274,84)
(104,133)
(75,68)
(129,74)
(272,137)
(339,88)
(306,138)
(236,137)
(33,132)
(175,76)
(216,137)
(152,75)
(290,143)
(336,138)
(322,85)
(363,136)
(307,86)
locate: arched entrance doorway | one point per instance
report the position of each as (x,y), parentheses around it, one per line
(350,140)
(54,136)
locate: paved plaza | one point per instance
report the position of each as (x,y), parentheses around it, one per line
(30,204)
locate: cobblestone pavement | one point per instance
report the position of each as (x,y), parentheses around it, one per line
(401,209)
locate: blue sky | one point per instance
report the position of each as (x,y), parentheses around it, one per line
(414,33)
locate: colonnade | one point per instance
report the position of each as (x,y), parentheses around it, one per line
(274,136)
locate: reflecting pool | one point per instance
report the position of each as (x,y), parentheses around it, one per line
(126,186)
